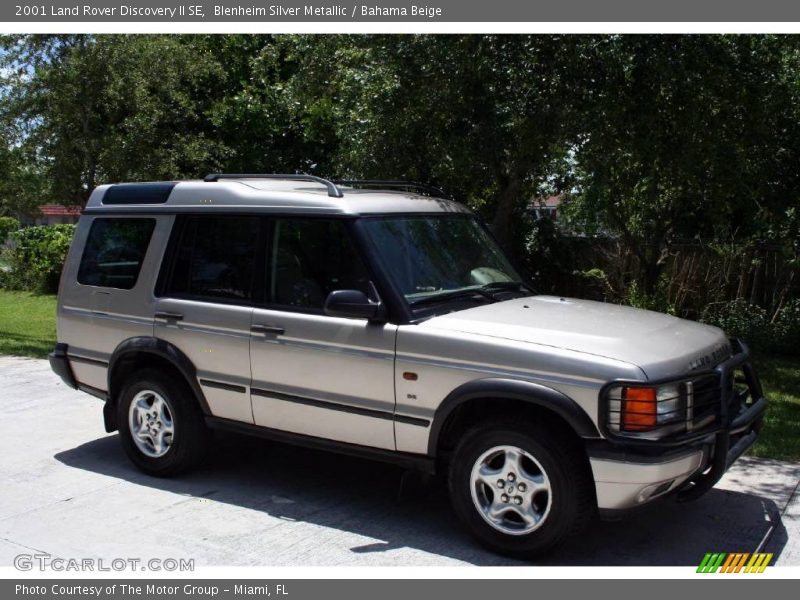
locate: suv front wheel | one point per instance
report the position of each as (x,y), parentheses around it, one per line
(518,488)
(160,424)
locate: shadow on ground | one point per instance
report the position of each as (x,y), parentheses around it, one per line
(377,501)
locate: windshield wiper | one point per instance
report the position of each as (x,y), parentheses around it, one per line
(506,286)
(455,294)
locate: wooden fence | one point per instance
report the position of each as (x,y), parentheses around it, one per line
(694,274)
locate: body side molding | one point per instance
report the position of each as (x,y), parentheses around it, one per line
(512,389)
(419,462)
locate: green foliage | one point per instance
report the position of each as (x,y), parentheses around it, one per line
(90,109)
(545,255)
(657,300)
(653,139)
(741,319)
(21,179)
(7,225)
(687,136)
(487,117)
(35,257)
(785,328)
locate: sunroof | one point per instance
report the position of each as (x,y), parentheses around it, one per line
(138,193)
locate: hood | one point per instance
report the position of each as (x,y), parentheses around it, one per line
(661,345)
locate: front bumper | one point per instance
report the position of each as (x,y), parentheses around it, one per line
(627,477)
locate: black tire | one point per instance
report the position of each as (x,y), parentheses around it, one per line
(191,437)
(572,503)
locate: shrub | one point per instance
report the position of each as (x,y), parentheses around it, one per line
(7,225)
(739,318)
(658,301)
(543,253)
(786,329)
(35,257)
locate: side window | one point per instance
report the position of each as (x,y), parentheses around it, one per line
(114,252)
(309,259)
(215,258)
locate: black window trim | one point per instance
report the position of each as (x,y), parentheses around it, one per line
(152,218)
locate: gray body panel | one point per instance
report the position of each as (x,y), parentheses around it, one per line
(216,338)
(446,359)
(95,320)
(339,362)
(661,345)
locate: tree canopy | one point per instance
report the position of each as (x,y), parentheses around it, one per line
(650,138)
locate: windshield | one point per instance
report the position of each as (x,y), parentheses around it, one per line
(433,257)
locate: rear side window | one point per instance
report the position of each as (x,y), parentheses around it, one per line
(215,258)
(114,252)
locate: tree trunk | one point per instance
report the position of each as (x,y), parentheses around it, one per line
(758,273)
(651,272)
(503,222)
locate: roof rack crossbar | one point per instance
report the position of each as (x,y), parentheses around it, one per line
(420,187)
(333,191)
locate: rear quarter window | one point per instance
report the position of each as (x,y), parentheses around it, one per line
(114,252)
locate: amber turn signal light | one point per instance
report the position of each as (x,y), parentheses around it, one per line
(638,409)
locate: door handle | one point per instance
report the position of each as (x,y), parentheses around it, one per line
(169,316)
(267,329)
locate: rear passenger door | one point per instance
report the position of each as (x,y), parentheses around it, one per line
(317,375)
(206,304)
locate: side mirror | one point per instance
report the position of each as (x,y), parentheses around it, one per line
(354,304)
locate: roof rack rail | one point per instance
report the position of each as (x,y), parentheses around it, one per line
(333,191)
(420,187)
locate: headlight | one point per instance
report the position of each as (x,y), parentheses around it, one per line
(642,409)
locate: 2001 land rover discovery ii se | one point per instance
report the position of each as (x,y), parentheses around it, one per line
(379,319)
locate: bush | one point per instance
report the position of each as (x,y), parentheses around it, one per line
(751,323)
(786,329)
(35,256)
(739,318)
(658,301)
(543,253)
(7,225)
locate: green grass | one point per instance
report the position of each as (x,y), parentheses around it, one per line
(780,438)
(27,324)
(27,328)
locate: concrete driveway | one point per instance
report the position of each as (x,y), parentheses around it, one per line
(68,490)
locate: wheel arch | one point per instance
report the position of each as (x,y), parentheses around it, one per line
(509,393)
(145,351)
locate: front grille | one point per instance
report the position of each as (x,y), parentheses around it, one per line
(703,401)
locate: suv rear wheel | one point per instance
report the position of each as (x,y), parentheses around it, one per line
(519,489)
(161,426)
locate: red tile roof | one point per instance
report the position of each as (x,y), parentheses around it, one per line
(53,210)
(552,200)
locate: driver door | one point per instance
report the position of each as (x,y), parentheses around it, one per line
(312,374)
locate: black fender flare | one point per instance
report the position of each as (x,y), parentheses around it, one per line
(512,389)
(166,351)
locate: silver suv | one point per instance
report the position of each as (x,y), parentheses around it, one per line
(380,319)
